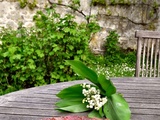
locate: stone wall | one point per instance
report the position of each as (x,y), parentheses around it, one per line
(11,14)
(124,17)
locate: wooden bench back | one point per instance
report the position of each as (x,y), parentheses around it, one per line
(148,54)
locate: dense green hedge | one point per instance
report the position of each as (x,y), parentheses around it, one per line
(37,56)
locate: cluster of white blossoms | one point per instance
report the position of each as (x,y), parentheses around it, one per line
(92,97)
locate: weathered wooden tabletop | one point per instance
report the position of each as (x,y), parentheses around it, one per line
(142,94)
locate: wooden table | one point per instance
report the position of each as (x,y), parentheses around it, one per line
(142,94)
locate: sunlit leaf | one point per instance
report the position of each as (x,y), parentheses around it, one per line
(68,102)
(94,114)
(70,92)
(107,85)
(84,71)
(117,108)
(81,107)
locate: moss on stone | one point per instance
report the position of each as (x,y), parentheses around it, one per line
(151,26)
(100,2)
(30,4)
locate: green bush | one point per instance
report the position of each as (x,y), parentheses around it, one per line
(115,54)
(37,56)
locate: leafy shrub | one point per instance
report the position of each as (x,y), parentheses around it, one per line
(112,54)
(37,56)
(115,54)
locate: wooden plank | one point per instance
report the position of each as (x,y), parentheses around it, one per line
(142,100)
(144,105)
(146,111)
(35,105)
(29,112)
(147,34)
(138,61)
(145,117)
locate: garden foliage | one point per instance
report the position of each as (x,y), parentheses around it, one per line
(114,54)
(33,57)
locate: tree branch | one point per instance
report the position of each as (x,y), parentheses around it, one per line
(71,8)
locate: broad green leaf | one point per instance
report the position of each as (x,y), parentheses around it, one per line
(117,108)
(109,111)
(101,112)
(81,107)
(68,102)
(94,114)
(106,85)
(71,92)
(84,71)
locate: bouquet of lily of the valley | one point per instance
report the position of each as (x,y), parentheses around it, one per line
(99,98)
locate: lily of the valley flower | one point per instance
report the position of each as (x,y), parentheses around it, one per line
(92,97)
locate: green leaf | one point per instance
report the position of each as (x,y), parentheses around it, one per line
(79,52)
(60,35)
(94,114)
(117,108)
(40,53)
(22,78)
(18,56)
(30,60)
(12,49)
(101,112)
(73,31)
(71,92)
(56,49)
(68,102)
(81,107)
(5,54)
(106,85)
(31,66)
(61,66)
(84,71)
(66,29)
(70,47)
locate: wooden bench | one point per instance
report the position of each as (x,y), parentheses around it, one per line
(142,94)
